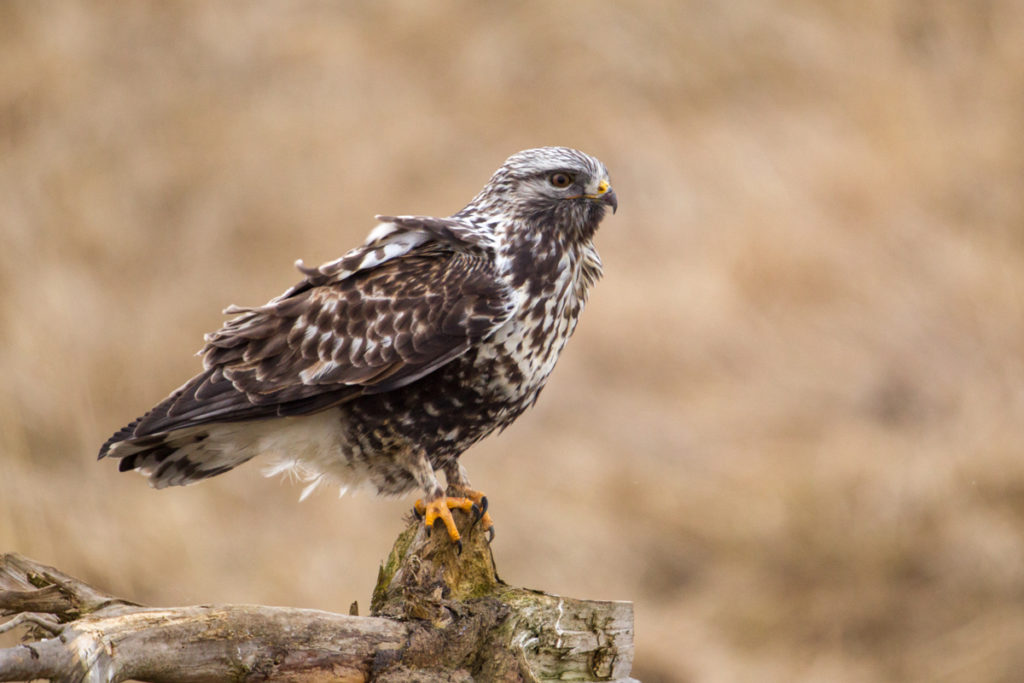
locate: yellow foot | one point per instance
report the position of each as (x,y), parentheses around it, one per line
(478,497)
(440,508)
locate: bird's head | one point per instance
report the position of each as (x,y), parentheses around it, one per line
(552,187)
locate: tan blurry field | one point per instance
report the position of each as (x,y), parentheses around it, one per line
(790,426)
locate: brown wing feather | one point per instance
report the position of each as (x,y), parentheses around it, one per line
(375,331)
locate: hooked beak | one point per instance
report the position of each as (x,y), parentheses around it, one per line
(605,195)
(610,199)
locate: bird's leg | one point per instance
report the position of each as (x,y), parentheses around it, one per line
(436,505)
(458,484)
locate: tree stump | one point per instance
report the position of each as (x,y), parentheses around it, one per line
(435,616)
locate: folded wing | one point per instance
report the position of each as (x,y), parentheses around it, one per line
(321,344)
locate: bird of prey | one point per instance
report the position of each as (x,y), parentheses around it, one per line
(383,366)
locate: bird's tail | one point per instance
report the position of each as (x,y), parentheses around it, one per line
(174,458)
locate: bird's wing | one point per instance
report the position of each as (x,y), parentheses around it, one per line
(394,237)
(370,331)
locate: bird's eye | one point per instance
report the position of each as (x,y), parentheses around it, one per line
(560,180)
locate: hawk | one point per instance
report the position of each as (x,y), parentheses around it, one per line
(383,366)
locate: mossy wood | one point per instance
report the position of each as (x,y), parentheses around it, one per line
(435,616)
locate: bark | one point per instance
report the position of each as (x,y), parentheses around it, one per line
(435,616)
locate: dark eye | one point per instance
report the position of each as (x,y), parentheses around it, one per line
(560,180)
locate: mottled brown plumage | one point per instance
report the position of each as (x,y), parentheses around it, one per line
(388,363)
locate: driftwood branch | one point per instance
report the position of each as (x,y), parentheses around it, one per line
(436,616)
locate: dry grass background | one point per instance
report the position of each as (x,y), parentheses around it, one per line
(790,424)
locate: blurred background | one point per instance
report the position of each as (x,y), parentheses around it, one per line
(789,427)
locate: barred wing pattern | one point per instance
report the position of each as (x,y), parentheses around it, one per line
(381,317)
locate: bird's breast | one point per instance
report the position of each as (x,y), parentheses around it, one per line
(521,354)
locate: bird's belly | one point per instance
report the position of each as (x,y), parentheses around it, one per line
(445,412)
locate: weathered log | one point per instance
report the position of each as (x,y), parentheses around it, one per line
(436,616)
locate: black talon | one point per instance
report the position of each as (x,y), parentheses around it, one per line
(458,547)
(483,505)
(477,513)
(416,512)
(490,534)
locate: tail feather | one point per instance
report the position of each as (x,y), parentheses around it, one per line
(176,458)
